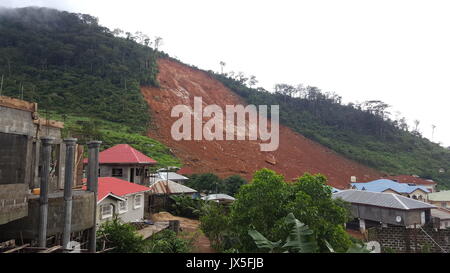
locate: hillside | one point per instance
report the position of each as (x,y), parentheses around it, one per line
(295,155)
(364,132)
(69,63)
(106,84)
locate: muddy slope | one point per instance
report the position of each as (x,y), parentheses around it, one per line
(295,155)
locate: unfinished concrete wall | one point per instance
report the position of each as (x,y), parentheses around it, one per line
(13,158)
(27,227)
(13,202)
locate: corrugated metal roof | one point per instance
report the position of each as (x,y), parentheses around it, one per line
(170,187)
(116,186)
(172,176)
(381,185)
(439,196)
(123,153)
(381,199)
(440,213)
(218,196)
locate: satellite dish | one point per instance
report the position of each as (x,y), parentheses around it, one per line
(373,247)
(398,219)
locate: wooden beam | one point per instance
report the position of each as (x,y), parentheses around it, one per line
(106,250)
(17,248)
(50,250)
(50,123)
(18,104)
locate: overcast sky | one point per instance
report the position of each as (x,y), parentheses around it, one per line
(395,51)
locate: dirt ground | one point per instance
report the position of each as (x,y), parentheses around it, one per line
(190,230)
(295,155)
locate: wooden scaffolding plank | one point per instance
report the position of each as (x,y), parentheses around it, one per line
(17,248)
(50,250)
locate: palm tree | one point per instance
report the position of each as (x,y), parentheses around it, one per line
(222,64)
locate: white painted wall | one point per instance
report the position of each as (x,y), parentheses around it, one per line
(131,215)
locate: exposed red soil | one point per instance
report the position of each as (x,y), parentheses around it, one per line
(191,231)
(295,155)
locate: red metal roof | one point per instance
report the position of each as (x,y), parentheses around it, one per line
(119,187)
(123,154)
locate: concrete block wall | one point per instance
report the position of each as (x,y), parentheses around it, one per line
(27,227)
(401,239)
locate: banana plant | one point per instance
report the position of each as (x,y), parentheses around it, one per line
(299,240)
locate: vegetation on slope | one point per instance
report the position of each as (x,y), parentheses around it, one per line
(113,133)
(364,132)
(69,63)
(83,74)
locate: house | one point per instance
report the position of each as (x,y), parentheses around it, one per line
(414,179)
(178,178)
(119,197)
(385,209)
(441,217)
(124,162)
(440,199)
(219,198)
(170,187)
(389,186)
(160,192)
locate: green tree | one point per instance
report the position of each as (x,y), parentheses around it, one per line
(206,182)
(263,204)
(232,184)
(167,241)
(120,236)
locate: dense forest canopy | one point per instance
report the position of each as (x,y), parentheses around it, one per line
(69,63)
(363,132)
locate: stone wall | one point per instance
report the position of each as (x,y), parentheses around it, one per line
(401,239)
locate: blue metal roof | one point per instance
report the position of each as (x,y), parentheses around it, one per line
(381,185)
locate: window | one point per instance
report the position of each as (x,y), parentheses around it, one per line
(117,172)
(106,211)
(138,172)
(137,201)
(444,204)
(123,206)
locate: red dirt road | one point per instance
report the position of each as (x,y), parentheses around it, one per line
(295,155)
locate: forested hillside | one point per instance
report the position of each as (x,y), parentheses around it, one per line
(69,63)
(364,132)
(81,73)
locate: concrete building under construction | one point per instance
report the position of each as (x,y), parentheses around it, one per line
(40,181)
